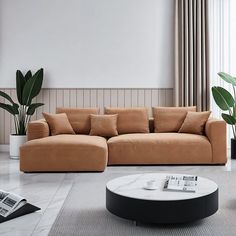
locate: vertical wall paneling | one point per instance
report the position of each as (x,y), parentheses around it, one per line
(114,100)
(106,98)
(60,97)
(141,98)
(73,98)
(121,98)
(148,100)
(155,97)
(93,98)
(128,98)
(168,97)
(87,100)
(53,101)
(46,100)
(66,98)
(134,97)
(53,98)
(100,100)
(80,97)
(2,123)
(162,97)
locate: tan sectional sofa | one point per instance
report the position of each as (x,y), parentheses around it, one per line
(82,152)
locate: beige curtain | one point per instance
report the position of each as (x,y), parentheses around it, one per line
(192,86)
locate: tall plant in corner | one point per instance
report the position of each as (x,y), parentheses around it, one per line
(28,87)
(227,102)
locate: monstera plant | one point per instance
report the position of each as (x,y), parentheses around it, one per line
(227,102)
(28,87)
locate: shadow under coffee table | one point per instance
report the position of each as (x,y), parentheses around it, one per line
(127,198)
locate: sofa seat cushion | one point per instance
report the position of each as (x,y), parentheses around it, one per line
(64,153)
(159,148)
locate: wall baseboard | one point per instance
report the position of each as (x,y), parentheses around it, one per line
(4,148)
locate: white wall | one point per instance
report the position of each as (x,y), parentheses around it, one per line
(89,43)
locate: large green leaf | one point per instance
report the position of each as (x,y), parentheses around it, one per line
(11,109)
(16,106)
(32,87)
(229,119)
(20,83)
(223,98)
(6,96)
(227,78)
(32,108)
(28,75)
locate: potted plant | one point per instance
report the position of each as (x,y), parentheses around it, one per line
(28,86)
(227,103)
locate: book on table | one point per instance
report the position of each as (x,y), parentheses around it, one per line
(181,183)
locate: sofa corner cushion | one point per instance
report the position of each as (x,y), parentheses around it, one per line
(79,118)
(64,153)
(194,122)
(130,120)
(58,123)
(159,148)
(170,119)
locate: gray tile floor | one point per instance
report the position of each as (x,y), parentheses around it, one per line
(49,191)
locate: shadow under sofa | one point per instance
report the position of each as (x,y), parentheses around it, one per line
(45,153)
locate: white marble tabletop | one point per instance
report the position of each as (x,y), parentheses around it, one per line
(133,186)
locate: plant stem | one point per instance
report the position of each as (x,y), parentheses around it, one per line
(234,93)
(15,124)
(233,128)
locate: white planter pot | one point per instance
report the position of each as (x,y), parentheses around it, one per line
(15,142)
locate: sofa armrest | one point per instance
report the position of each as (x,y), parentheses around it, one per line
(215,130)
(37,129)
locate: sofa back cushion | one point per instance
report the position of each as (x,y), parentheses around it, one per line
(194,122)
(130,120)
(170,119)
(104,125)
(58,123)
(79,118)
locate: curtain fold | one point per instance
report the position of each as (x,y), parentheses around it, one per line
(192,86)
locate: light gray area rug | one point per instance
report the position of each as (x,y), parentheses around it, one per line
(84,211)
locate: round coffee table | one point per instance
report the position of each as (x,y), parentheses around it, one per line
(127,198)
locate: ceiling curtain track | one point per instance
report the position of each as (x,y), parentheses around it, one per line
(192,85)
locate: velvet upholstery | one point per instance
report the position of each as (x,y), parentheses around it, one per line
(194,122)
(58,124)
(104,125)
(159,148)
(130,120)
(79,118)
(64,153)
(90,153)
(37,129)
(169,119)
